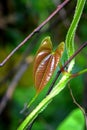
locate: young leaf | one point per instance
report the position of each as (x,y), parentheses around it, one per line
(45,63)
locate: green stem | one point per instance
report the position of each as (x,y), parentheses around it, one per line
(42,105)
(71,32)
(82,72)
(65,78)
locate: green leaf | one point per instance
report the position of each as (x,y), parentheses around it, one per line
(75,121)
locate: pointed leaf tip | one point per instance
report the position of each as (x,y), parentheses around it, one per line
(46,62)
(45,45)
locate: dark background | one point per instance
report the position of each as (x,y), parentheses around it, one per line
(18,18)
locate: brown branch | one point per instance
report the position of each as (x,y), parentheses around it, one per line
(75,54)
(79,106)
(57,75)
(26,53)
(35,31)
(65,65)
(74,100)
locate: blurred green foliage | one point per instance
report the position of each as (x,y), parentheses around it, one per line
(18,18)
(74,121)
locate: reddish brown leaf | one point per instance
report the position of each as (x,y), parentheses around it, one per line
(46,62)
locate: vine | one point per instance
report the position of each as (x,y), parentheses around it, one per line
(66,77)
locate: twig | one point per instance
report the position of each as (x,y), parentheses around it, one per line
(74,55)
(17,68)
(74,100)
(29,48)
(67,62)
(59,72)
(78,105)
(35,31)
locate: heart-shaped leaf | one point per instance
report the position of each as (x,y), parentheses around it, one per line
(45,63)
